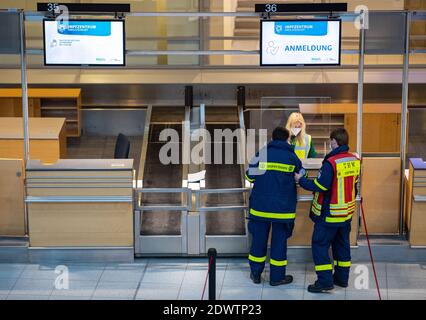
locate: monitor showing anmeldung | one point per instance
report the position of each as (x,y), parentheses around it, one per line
(300,42)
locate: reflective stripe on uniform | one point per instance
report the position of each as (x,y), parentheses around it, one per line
(343,264)
(278,263)
(337,220)
(323,267)
(257,259)
(320,186)
(276,166)
(272,215)
(248,179)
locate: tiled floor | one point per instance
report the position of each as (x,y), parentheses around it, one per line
(183,279)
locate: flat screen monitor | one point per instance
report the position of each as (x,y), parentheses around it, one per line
(300,42)
(84,43)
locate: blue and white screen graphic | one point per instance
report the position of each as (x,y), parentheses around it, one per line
(84,42)
(300,42)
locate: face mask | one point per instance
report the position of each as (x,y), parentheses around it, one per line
(296,131)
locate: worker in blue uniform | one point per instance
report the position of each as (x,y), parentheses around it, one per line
(331,210)
(272,204)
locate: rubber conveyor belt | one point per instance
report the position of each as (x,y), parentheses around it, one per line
(221,176)
(158,175)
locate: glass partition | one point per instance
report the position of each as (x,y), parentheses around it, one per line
(312,115)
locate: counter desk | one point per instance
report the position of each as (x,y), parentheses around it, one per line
(80,203)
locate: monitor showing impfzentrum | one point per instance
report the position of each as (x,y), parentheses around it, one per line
(300,42)
(84,43)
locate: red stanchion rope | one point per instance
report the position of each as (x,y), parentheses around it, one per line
(369,249)
(207,276)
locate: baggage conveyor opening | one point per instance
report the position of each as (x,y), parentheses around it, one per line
(220,176)
(158,175)
(160,216)
(222,199)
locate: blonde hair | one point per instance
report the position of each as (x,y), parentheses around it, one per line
(291,123)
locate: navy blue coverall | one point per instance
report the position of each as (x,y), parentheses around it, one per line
(272,204)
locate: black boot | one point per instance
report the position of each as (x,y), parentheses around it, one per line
(339,283)
(256,279)
(318,288)
(288,279)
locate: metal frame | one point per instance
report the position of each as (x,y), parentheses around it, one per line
(161,244)
(404,118)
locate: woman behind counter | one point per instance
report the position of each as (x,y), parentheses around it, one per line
(301,141)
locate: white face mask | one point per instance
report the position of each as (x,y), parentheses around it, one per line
(296,131)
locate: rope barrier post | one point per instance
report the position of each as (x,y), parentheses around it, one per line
(212,253)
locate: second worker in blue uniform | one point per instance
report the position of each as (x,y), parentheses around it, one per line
(272,205)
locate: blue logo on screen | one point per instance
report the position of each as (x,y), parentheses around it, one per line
(302,28)
(85,28)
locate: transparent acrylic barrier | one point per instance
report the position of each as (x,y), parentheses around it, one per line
(275,112)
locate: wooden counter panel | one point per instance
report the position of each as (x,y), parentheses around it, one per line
(41,92)
(12,219)
(96,191)
(304,226)
(417,236)
(81,224)
(302,233)
(346,108)
(381,193)
(47,151)
(122,174)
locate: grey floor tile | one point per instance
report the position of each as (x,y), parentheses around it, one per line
(417,285)
(178,262)
(403,270)
(127,274)
(39,272)
(77,288)
(85,273)
(282,293)
(33,287)
(110,298)
(157,292)
(6,285)
(380,267)
(8,270)
(238,276)
(26,297)
(164,274)
(69,298)
(296,268)
(125,290)
(241,293)
(370,294)
(190,291)
(197,276)
(336,294)
(406,295)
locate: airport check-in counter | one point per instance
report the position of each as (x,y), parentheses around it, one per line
(80,204)
(416,203)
